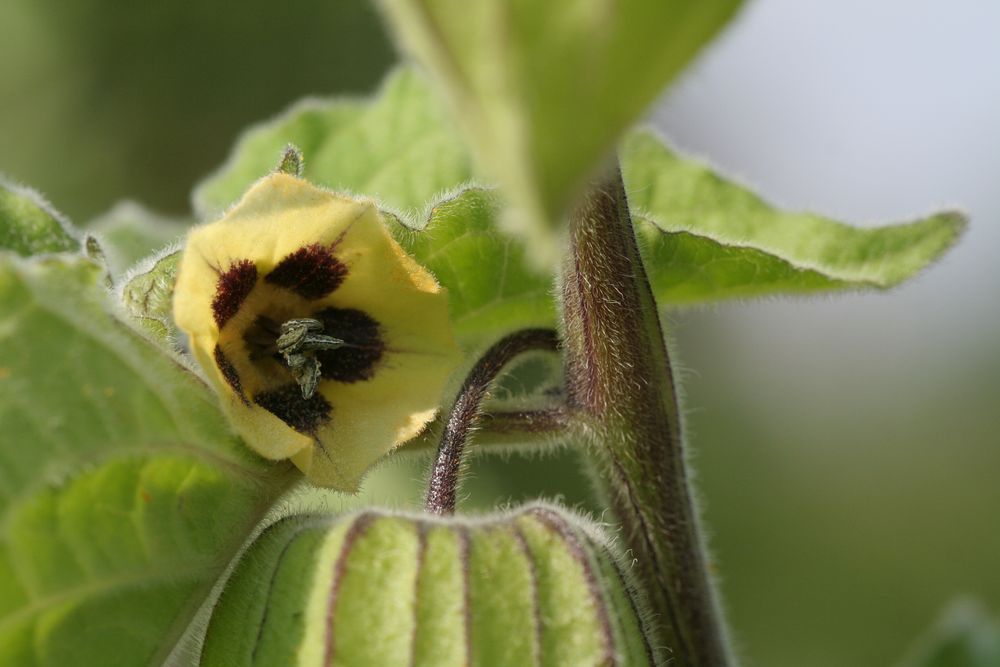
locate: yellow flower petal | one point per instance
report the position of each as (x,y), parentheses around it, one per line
(290,250)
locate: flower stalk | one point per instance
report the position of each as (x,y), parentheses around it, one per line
(619,380)
(443,481)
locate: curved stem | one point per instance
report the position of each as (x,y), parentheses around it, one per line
(442,485)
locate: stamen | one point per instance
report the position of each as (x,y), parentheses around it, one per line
(299,341)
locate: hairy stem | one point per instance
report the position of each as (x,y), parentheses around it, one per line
(504,429)
(618,376)
(442,486)
(515,424)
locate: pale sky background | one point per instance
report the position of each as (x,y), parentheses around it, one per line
(867,111)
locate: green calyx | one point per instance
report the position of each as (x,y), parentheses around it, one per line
(535,587)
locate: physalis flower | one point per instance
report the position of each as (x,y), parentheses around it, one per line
(328,344)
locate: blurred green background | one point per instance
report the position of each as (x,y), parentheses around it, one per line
(847,449)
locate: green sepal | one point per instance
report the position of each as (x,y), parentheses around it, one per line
(146,293)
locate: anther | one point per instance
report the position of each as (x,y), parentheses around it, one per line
(299,341)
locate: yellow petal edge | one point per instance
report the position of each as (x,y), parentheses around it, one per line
(273,257)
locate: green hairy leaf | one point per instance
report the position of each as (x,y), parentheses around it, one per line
(706,238)
(544,89)
(397,148)
(491,288)
(964,636)
(123,493)
(30,226)
(533,588)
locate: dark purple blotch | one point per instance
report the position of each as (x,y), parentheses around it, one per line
(230,374)
(305,415)
(232,289)
(357,360)
(311,272)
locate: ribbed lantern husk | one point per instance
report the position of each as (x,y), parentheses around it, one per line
(538,586)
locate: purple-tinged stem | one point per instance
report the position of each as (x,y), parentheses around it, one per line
(442,487)
(619,380)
